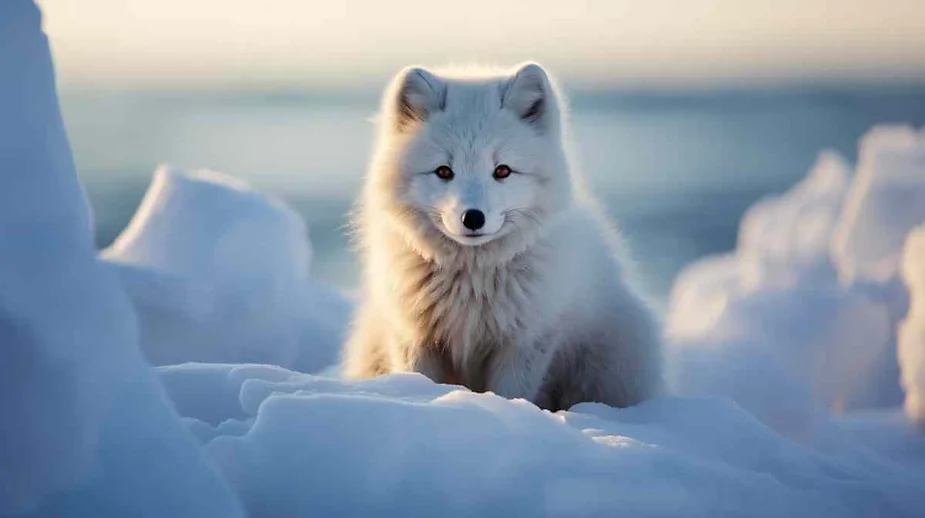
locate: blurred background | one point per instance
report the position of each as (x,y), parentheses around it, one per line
(682,113)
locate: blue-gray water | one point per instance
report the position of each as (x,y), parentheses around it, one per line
(675,170)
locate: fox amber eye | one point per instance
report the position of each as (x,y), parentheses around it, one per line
(501,172)
(444,173)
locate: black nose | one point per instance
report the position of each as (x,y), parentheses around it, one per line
(473,219)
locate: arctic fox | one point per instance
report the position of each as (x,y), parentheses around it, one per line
(484,263)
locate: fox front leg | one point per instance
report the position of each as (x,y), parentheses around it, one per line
(428,360)
(520,373)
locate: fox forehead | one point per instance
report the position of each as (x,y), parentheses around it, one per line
(470,138)
(473,118)
(476,151)
(467,101)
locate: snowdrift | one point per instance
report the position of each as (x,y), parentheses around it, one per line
(219,273)
(210,282)
(295,444)
(85,425)
(912,331)
(802,316)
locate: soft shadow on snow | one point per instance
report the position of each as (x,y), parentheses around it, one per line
(211,283)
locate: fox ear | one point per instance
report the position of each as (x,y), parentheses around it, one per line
(417,95)
(529,95)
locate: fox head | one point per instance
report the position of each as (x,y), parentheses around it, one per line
(469,160)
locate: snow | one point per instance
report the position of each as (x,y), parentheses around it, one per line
(885,201)
(912,331)
(401,444)
(802,316)
(86,428)
(243,235)
(219,273)
(784,240)
(190,369)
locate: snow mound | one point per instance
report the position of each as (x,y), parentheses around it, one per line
(884,203)
(912,332)
(218,273)
(207,225)
(297,444)
(784,240)
(85,428)
(802,317)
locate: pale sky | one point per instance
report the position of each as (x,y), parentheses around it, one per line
(359,43)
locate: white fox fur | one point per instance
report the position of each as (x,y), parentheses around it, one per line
(534,304)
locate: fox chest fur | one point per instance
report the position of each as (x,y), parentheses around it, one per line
(467,312)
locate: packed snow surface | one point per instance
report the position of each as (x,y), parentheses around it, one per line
(788,383)
(295,444)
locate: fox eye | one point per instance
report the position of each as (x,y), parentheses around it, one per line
(444,173)
(501,172)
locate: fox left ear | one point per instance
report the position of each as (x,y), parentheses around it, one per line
(417,95)
(529,94)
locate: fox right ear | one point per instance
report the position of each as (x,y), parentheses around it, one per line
(529,95)
(417,95)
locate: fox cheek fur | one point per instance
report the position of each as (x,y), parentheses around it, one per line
(485,264)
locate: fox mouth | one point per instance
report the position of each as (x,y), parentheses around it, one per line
(468,237)
(471,238)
